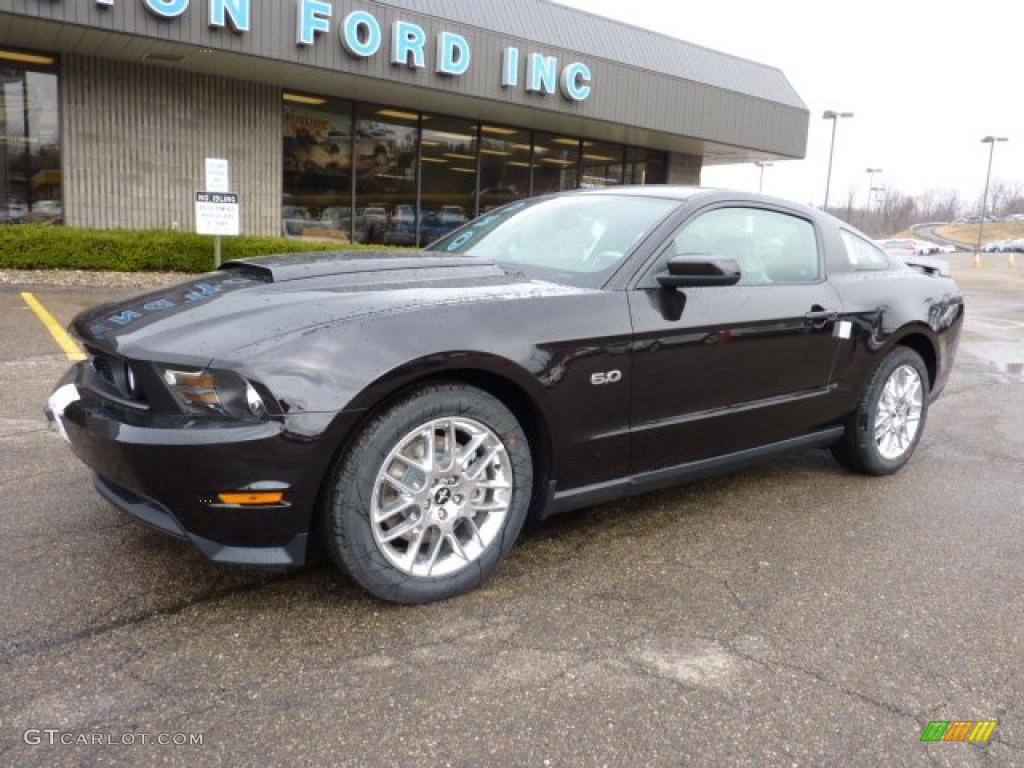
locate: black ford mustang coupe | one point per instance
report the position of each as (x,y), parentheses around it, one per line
(406,411)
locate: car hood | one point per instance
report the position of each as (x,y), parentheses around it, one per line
(251,300)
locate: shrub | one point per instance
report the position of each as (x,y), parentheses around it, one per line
(37,246)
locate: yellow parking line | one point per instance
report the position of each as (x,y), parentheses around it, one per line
(56,330)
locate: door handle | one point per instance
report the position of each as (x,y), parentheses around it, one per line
(819,318)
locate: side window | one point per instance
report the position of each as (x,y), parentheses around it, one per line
(861,254)
(770,247)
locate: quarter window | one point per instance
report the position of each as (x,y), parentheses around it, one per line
(863,255)
(769,247)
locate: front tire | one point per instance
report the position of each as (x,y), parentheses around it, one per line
(882,434)
(431,496)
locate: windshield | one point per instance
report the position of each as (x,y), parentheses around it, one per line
(576,239)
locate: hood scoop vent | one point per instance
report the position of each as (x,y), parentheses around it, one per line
(303,266)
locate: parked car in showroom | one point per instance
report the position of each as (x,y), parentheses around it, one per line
(375,219)
(407,412)
(296,219)
(452,216)
(401,226)
(339,219)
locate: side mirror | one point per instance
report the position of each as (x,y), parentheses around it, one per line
(699,270)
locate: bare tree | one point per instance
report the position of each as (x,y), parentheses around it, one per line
(1005,198)
(851,198)
(949,205)
(892,211)
(939,205)
(898,211)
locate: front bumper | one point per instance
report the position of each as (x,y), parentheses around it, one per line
(170,474)
(155,515)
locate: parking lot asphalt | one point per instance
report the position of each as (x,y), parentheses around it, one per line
(793,614)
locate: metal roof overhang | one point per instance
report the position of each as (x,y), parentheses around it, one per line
(630,105)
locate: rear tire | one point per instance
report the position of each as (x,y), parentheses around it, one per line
(882,434)
(431,496)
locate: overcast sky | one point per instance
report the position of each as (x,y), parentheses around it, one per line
(926,80)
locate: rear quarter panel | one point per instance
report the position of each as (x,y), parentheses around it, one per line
(885,308)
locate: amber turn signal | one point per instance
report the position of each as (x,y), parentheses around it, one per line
(250,499)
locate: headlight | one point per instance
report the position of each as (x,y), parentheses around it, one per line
(219,392)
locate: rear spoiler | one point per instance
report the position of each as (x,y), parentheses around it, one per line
(929,265)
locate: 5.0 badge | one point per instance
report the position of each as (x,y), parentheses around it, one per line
(608,377)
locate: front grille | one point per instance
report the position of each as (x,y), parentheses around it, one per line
(105,368)
(117,378)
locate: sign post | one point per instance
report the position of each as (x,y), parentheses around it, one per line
(217,210)
(217,214)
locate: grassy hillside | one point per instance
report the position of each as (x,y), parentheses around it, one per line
(994,230)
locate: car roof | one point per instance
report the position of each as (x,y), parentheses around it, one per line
(691,194)
(667,191)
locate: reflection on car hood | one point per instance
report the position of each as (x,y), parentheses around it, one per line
(251,300)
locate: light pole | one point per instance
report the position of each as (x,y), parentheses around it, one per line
(878,192)
(872,172)
(991,141)
(762,165)
(834,117)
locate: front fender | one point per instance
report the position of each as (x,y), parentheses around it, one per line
(546,347)
(454,362)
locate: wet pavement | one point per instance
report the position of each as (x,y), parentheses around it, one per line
(995,319)
(793,614)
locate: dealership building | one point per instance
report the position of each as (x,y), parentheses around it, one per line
(389,122)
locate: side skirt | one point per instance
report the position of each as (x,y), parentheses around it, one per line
(601,493)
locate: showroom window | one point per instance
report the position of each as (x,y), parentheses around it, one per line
(374,174)
(449,171)
(646,166)
(504,166)
(385,161)
(556,162)
(317,168)
(602,165)
(30,174)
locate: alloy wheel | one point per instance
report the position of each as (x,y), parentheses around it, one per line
(441,497)
(899,412)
